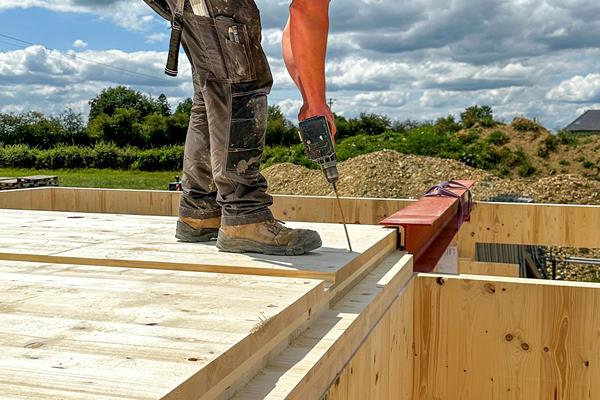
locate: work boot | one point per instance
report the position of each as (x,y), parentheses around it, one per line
(191,230)
(269,237)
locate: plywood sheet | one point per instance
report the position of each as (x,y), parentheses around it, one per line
(149,242)
(83,332)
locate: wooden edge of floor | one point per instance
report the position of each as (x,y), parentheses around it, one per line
(502,279)
(306,372)
(237,365)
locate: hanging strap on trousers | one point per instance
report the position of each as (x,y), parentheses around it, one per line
(175,42)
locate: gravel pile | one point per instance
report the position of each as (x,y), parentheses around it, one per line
(389,174)
(575,272)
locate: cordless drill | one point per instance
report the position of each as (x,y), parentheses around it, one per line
(316,136)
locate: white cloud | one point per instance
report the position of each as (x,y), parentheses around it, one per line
(134,15)
(80,44)
(156,37)
(50,80)
(290,108)
(577,89)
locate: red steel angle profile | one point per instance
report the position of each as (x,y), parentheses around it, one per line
(431,223)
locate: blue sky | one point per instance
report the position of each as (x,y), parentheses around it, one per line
(418,59)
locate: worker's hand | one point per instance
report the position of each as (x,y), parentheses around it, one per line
(307,112)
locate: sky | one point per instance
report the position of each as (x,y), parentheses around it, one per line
(419,59)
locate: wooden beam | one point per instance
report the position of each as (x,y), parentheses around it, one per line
(470,267)
(537,224)
(531,224)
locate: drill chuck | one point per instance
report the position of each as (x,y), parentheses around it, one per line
(331,174)
(316,136)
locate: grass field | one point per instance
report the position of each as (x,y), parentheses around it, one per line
(101,178)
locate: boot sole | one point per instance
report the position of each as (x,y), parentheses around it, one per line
(230,245)
(187,234)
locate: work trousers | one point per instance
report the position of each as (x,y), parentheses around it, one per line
(226,134)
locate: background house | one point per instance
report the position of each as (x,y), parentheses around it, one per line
(589,122)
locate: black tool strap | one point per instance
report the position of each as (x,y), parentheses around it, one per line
(172,67)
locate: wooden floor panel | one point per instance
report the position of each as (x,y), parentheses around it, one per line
(95,332)
(149,242)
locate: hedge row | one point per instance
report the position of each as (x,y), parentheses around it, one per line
(102,155)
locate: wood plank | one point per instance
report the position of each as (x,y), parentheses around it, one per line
(163,203)
(313,363)
(149,242)
(469,267)
(84,332)
(506,338)
(532,224)
(538,224)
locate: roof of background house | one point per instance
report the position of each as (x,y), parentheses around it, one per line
(588,122)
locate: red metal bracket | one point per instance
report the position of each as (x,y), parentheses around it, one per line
(431,223)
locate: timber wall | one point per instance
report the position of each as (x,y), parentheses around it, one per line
(480,338)
(535,224)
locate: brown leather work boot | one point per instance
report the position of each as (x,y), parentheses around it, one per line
(193,230)
(269,237)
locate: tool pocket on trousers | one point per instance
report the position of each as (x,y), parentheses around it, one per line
(235,44)
(247,134)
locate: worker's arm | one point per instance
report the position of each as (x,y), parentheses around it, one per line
(304,52)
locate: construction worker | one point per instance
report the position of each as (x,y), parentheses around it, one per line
(224,194)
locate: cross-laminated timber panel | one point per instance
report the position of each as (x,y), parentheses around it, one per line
(84,332)
(359,342)
(162,203)
(502,338)
(474,338)
(149,242)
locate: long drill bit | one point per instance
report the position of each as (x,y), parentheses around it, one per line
(343,217)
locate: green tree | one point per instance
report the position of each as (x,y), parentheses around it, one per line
(280,131)
(447,125)
(185,107)
(73,128)
(478,115)
(372,124)
(178,126)
(155,130)
(344,128)
(112,99)
(121,128)
(162,105)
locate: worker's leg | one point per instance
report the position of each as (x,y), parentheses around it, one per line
(235,79)
(199,213)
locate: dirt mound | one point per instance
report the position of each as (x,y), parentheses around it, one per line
(381,174)
(388,174)
(547,153)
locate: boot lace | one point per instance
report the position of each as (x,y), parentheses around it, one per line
(276,226)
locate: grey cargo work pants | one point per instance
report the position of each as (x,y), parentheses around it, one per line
(226,134)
